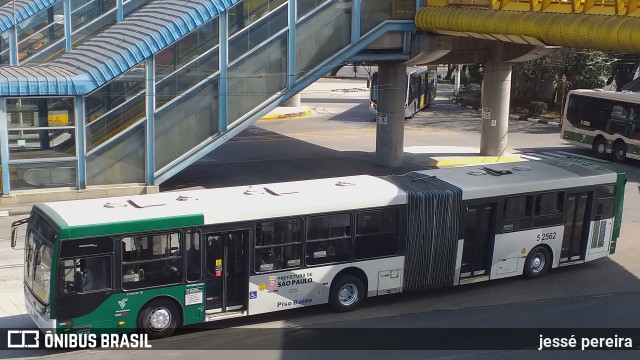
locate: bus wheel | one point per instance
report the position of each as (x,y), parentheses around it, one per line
(620,151)
(346,294)
(600,147)
(537,263)
(159,318)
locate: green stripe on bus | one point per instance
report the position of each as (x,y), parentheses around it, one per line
(129,227)
(617,222)
(633,149)
(578,137)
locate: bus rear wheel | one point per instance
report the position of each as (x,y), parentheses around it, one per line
(620,151)
(347,293)
(537,263)
(600,147)
(159,318)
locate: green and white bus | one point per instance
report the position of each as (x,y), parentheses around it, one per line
(162,261)
(606,121)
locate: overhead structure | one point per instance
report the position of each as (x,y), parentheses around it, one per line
(602,25)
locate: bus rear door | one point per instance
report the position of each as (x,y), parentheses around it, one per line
(576,227)
(227,278)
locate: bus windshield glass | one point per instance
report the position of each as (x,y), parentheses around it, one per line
(38,259)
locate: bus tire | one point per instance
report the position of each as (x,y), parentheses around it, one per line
(537,263)
(347,293)
(619,151)
(159,318)
(600,147)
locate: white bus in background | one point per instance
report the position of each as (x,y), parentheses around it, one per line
(166,260)
(606,121)
(419,93)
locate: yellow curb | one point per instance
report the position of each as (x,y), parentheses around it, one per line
(470,160)
(280,116)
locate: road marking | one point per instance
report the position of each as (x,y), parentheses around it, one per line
(553,155)
(330,134)
(472,160)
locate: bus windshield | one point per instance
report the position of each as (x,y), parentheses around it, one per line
(37,262)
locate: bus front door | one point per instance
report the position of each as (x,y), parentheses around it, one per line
(576,225)
(227,276)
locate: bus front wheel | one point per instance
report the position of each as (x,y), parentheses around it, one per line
(620,151)
(537,263)
(347,293)
(600,147)
(159,318)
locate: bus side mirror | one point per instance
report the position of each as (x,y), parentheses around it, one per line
(14,236)
(14,231)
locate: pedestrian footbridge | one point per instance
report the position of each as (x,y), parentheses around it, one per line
(106,92)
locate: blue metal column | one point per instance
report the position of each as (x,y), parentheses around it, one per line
(4,147)
(81,142)
(13,39)
(224,62)
(355,20)
(13,45)
(150,163)
(420,4)
(66,10)
(291,44)
(119,11)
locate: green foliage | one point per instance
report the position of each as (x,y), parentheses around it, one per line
(624,68)
(465,81)
(469,75)
(584,69)
(475,73)
(537,108)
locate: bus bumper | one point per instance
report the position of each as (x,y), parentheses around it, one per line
(42,321)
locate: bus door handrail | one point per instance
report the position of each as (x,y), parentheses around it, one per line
(14,230)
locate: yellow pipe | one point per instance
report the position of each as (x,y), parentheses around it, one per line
(600,32)
(631,6)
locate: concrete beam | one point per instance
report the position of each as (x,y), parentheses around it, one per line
(430,49)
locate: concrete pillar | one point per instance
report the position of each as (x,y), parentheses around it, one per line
(294,101)
(392,85)
(496,89)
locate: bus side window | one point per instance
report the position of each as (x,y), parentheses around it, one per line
(193,258)
(548,209)
(517,213)
(278,245)
(86,274)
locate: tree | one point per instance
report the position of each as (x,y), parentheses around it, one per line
(623,69)
(536,80)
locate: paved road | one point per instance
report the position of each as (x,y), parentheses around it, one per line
(338,140)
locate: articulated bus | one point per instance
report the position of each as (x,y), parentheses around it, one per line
(606,121)
(162,261)
(420,91)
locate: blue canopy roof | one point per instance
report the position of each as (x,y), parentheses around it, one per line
(24,10)
(112,52)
